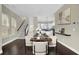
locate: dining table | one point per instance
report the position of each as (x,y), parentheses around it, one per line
(42,38)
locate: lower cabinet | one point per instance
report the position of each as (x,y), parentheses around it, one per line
(62,50)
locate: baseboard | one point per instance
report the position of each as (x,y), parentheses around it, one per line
(77,52)
(20,37)
(9,41)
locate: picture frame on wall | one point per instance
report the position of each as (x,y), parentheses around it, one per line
(65,17)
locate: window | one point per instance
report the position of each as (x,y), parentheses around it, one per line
(46,23)
(5,25)
(45,26)
(5,20)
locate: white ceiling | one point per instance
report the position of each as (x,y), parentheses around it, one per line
(34,9)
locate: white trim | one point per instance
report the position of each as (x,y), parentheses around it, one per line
(52,45)
(12,40)
(20,37)
(28,44)
(9,41)
(69,47)
(1,51)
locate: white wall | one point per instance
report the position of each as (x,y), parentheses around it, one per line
(21,32)
(72,41)
(45,19)
(31,25)
(33,21)
(11,35)
(0,30)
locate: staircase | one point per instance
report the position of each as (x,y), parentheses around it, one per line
(22,30)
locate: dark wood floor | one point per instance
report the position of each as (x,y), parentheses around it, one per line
(18,47)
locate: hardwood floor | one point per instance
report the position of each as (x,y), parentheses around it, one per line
(63,50)
(18,47)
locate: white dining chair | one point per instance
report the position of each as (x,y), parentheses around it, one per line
(54,38)
(40,48)
(29,36)
(53,42)
(27,41)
